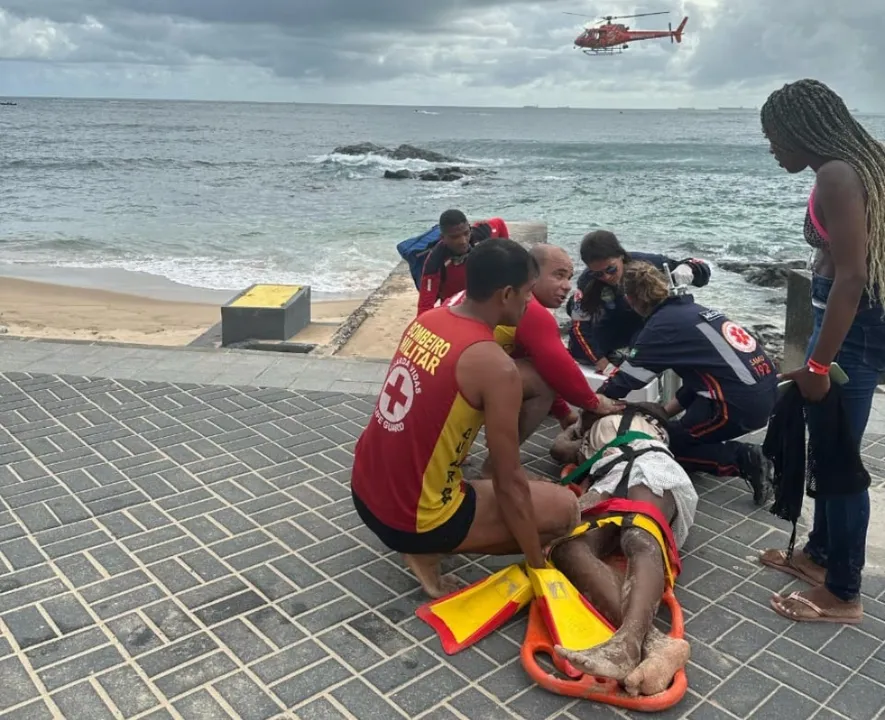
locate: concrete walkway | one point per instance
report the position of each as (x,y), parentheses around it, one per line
(177,540)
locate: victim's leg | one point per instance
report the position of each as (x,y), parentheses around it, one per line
(662,655)
(644,584)
(640,595)
(638,654)
(581,561)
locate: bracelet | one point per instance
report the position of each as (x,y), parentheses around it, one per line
(817,368)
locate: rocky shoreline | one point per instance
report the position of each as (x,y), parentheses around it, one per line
(767,275)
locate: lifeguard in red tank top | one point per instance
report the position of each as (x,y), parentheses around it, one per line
(407,462)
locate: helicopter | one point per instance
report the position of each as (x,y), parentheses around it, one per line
(609,38)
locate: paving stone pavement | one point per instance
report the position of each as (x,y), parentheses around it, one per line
(170,549)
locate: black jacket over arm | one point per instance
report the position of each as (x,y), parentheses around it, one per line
(831,465)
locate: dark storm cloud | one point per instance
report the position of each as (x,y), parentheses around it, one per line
(331,40)
(303,15)
(759,42)
(749,46)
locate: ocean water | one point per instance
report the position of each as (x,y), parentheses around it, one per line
(218,195)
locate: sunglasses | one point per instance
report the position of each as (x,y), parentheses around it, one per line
(610,270)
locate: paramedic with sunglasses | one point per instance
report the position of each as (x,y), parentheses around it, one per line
(601,319)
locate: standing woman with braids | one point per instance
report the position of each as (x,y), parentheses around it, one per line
(808,125)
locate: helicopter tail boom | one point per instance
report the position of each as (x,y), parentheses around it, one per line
(677,34)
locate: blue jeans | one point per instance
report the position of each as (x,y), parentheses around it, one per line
(838,537)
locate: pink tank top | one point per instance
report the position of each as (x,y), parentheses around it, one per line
(815,233)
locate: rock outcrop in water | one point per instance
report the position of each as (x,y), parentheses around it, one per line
(449,173)
(767,274)
(442,173)
(402,152)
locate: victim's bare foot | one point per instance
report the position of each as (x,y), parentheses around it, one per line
(663,657)
(426,569)
(615,659)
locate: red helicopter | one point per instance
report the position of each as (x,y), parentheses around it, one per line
(608,39)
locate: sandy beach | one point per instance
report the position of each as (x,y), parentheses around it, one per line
(113,305)
(380,332)
(45,310)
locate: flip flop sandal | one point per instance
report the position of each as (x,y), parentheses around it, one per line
(788,568)
(820,615)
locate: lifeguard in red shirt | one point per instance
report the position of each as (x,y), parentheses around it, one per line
(551,378)
(444,275)
(448,379)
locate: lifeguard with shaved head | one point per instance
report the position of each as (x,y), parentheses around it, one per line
(551,379)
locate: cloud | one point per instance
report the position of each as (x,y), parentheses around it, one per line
(454,52)
(755,42)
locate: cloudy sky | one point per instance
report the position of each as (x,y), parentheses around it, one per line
(436,52)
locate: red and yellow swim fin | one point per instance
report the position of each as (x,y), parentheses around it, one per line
(468,615)
(571,621)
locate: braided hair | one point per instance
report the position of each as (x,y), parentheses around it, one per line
(808,117)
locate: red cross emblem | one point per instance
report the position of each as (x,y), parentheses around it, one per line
(397,395)
(738,338)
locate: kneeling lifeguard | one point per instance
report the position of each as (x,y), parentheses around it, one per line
(448,378)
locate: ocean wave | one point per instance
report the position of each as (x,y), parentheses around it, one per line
(126,163)
(348,271)
(382,162)
(31,246)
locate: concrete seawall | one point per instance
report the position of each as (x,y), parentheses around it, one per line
(374,329)
(799,321)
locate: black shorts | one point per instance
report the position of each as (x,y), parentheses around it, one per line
(443,539)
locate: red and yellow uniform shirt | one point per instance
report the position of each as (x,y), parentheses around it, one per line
(407,462)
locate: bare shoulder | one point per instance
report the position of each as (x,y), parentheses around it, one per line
(837,178)
(487,358)
(483,367)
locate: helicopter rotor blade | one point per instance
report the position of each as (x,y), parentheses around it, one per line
(575,14)
(625,17)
